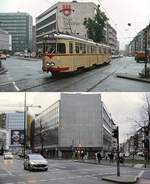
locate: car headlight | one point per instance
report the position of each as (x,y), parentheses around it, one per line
(32,163)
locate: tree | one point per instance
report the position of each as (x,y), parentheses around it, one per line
(95,27)
(40,135)
(144,125)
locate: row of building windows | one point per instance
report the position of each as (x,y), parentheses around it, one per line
(47,29)
(46,21)
(44,14)
(11,17)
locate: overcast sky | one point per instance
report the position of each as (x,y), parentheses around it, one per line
(120,13)
(123,106)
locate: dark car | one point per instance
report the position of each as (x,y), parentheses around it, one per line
(35,162)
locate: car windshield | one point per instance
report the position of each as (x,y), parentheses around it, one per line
(36,157)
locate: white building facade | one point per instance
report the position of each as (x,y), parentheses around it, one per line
(78,122)
(5,41)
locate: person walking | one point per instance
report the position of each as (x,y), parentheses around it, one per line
(99,157)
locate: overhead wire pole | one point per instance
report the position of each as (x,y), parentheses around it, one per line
(24,124)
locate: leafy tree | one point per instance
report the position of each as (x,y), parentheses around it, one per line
(95,27)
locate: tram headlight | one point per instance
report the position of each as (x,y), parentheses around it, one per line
(50,64)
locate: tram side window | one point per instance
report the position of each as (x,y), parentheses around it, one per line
(84,49)
(61,48)
(70,48)
(105,51)
(77,47)
(100,50)
(88,49)
(93,50)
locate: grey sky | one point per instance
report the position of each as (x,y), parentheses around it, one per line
(122,106)
(120,13)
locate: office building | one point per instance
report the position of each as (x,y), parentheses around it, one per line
(75,123)
(66,17)
(5,41)
(19,25)
(111,39)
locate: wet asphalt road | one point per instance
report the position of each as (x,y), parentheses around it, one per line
(26,75)
(60,172)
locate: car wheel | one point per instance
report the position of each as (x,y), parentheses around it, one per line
(25,167)
(46,169)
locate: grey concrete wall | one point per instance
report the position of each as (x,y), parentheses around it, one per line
(76,18)
(81,120)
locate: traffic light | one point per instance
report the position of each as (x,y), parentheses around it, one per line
(115,133)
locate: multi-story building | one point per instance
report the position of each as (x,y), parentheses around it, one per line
(19,25)
(138,42)
(15,126)
(5,41)
(134,143)
(75,123)
(111,39)
(34,39)
(66,17)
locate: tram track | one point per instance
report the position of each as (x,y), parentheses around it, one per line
(62,84)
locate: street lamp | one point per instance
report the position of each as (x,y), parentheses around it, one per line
(26,107)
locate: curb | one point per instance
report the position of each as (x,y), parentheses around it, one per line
(121,179)
(105,164)
(132,77)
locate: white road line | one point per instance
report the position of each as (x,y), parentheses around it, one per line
(140,174)
(16,86)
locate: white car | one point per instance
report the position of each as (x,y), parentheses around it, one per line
(3,56)
(8,155)
(35,162)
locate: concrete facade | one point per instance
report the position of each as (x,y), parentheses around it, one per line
(78,122)
(138,42)
(5,41)
(19,25)
(111,39)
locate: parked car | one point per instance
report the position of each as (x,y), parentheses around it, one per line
(8,155)
(27,55)
(3,56)
(35,162)
(7,55)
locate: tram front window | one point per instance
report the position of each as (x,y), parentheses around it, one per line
(58,48)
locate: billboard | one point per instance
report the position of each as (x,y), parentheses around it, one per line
(17,137)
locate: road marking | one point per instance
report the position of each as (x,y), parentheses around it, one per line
(14,83)
(140,174)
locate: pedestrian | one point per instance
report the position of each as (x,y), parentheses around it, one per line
(106,156)
(111,156)
(82,155)
(99,157)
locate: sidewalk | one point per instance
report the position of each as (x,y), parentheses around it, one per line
(107,163)
(121,179)
(132,77)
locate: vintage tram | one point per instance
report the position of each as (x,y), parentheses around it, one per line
(64,53)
